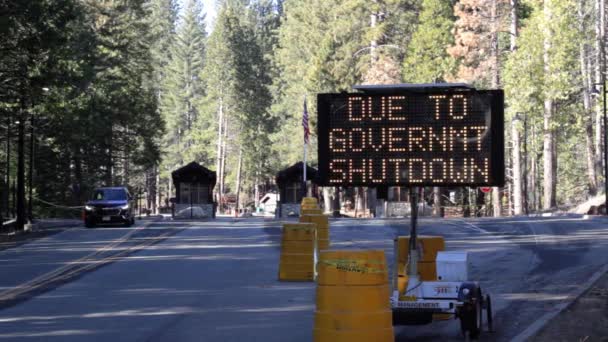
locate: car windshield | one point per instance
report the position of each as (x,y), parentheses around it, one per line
(110,195)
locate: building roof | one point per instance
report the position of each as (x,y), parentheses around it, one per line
(194,172)
(294,174)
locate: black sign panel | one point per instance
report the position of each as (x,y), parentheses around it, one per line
(435,138)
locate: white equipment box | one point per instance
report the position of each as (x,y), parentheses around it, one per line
(452,266)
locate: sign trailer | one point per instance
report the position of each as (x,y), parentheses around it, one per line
(447,135)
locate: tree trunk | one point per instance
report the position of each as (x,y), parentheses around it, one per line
(371,199)
(495,52)
(437,202)
(223,158)
(218,167)
(466,204)
(148,187)
(374,42)
(588,115)
(238,182)
(359,201)
(516,157)
(549,167)
(8,163)
(126,175)
(256,191)
(157,200)
(515,138)
(336,202)
(109,164)
(78,176)
(599,78)
(168,193)
(514,24)
(496,205)
(328,195)
(480,201)
(526,169)
(532,188)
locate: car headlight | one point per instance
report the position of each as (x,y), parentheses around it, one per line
(88,208)
(125,207)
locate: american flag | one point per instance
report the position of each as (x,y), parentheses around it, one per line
(305,123)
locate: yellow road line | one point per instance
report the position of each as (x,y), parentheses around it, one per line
(49,276)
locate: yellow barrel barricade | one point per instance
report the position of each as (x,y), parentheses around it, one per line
(309,200)
(309,203)
(352,297)
(312,211)
(322,223)
(297,252)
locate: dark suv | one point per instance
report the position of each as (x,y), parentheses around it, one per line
(109,205)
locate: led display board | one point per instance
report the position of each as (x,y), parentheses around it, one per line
(438,137)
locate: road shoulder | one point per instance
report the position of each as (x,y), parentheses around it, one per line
(44,228)
(586,319)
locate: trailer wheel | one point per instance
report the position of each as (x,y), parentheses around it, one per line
(471,318)
(488,302)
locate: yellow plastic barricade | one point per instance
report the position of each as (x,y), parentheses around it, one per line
(353,297)
(322,223)
(297,252)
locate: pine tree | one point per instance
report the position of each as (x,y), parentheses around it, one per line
(161,17)
(540,77)
(240,97)
(318,45)
(427,59)
(183,88)
(476,41)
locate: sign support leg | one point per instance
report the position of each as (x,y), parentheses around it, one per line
(413,280)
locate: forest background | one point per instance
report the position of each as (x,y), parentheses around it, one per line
(126,91)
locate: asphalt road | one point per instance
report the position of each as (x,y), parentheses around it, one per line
(217,280)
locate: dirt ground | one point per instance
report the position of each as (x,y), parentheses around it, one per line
(586,320)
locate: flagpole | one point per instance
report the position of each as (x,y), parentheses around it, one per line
(304,169)
(306,132)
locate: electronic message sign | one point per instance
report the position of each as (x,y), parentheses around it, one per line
(438,137)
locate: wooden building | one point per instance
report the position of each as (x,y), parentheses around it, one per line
(289,181)
(194,185)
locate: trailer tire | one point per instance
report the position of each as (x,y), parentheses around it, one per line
(490,319)
(471,318)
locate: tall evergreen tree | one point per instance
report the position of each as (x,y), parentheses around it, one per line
(540,78)
(183,88)
(86,64)
(238,76)
(118,95)
(45,45)
(161,19)
(318,45)
(427,59)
